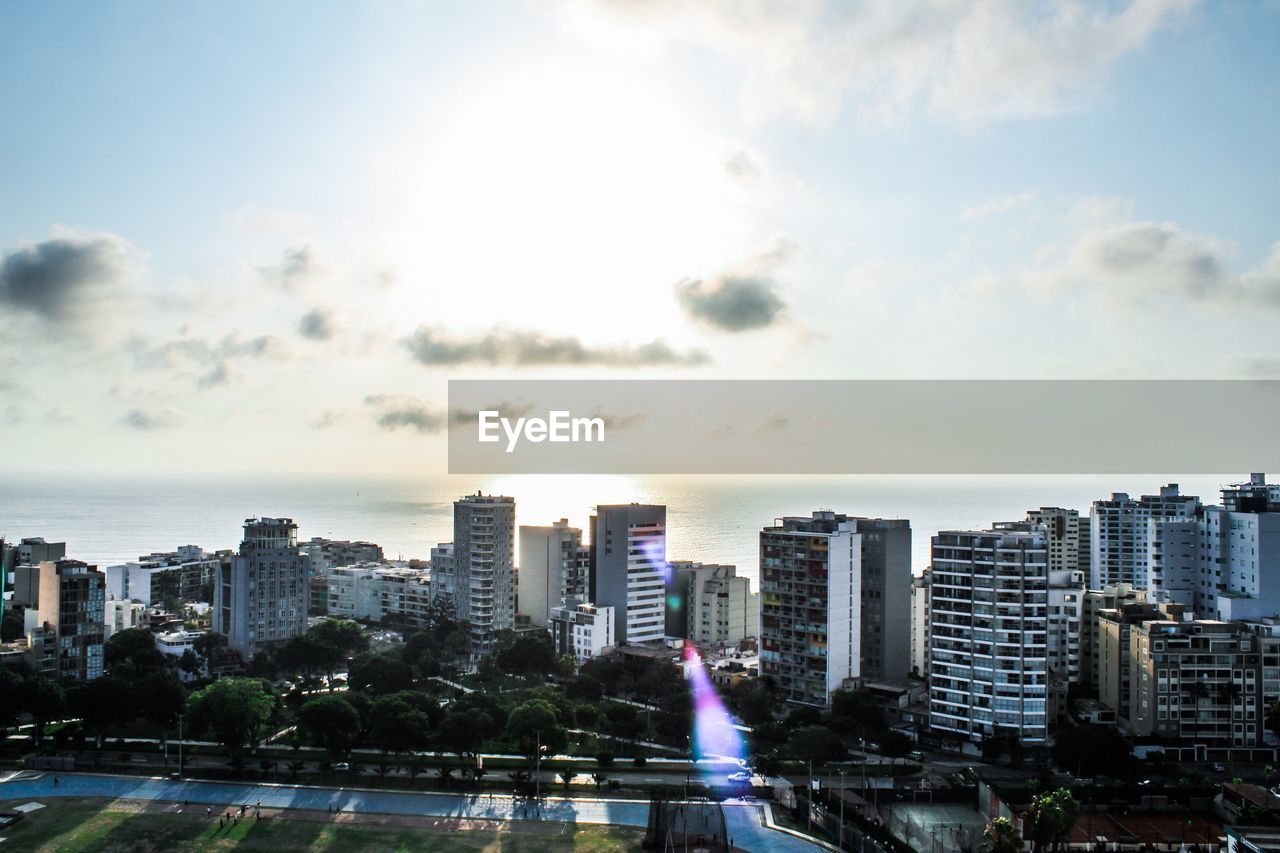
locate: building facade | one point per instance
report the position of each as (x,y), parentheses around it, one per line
(626,569)
(484,567)
(552,570)
(581,629)
(1123,534)
(920,588)
(261,596)
(718,607)
(988,658)
(885,643)
(67,626)
(810,605)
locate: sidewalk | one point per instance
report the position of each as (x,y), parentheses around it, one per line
(746,820)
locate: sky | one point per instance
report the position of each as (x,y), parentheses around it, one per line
(243,237)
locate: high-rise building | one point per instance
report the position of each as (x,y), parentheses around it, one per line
(1067,535)
(1123,534)
(261,596)
(68,622)
(810,605)
(444,578)
(920,588)
(628,559)
(552,569)
(988,658)
(324,554)
(1225,562)
(1112,597)
(718,607)
(484,528)
(886,597)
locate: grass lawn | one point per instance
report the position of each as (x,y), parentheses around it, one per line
(125,827)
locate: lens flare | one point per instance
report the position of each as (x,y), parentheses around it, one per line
(714,734)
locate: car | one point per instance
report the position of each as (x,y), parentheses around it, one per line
(1219,767)
(741,777)
(341,767)
(1275,792)
(915,755)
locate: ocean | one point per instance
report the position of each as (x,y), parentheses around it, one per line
(106,521)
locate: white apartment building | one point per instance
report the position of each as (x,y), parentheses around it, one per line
(920,587)
(553,568)
(988,657)
(484,567)
(627,563)
(444,579)
(581,629)
(720,608)
(174,643)
(811,605)
(376,592)
(186,574)
(121,615)
(1123,534)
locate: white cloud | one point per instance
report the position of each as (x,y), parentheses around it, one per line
(951,58)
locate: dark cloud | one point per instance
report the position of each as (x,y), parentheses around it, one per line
(731,303)
(147,420)
(219,375)
(62,278)
(296,265)
(527,348)
(397,411)
(317,325)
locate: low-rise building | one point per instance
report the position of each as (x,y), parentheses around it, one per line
(582,629)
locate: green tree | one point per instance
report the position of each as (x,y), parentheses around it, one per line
(857,713)
(190,662)
(330,722)
(530,656)
(380,674)
(11,628)
(347,636)
(818,744)
(1049,819)
(535,723)
(233,711)
(895,744)
(1000,836)
(45,701)
(135,648)
(1091,750)
(466,732)
(396,725)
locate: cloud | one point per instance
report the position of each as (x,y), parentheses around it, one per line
(218,376)
(744,167)
(1137,259)
(399,411)
(992,59)
(160,419)
(58,416)
(328,418)
(1259,366)
(997,206)
(502,346)
(317,324)
(12,415)
(297,264)
(64,278)
(742,298)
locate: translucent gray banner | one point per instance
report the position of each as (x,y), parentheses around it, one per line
(863,427)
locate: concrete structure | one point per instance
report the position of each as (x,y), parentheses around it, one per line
(324,554)
(719,607)
(261,597)
(1196,682)
(375,592)
(1110,597)
(1225,563)
(1122,534)
(186,574)
(553,568)
(988,658)
(582,629)
(1115,666)
(444,579)
(174,643)
(810,605)
(67,625)
(627,563)
(920,588)
(484,567)
(122,615)
(885,644)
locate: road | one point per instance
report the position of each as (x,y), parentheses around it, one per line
(746,820)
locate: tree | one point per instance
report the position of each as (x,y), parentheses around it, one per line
(466,732)
(395,725)
(1091,750)
(133,647)
(347,636)
(895,744)
(331,722)
(190,662)
(1000,836)
(44,700)
(818,744)
(11,628)
(535,723)
(233,710)
(857,712)
(160,698)
(306,656)
(380,674)
(1049,819)
(530,656)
